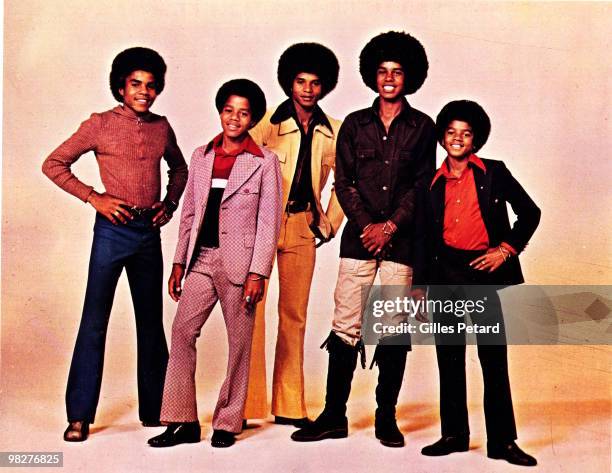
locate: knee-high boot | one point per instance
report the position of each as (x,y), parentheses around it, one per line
(332,422)
(391,360)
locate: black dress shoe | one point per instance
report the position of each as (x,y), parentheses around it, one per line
(176,433)
(447,445)
(324,427)
(77,431)
(511,453)
(299,423)
(385,430)
(151,423)
(222,439)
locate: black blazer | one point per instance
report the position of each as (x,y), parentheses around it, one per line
(494,188)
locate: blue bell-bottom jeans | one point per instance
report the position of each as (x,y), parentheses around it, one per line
(135,246)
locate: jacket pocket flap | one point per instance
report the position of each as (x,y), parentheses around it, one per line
(366,153)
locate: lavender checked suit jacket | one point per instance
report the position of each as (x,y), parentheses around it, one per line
(249,217)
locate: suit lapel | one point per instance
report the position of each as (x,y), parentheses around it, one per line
(243,168)
(483,190)
(203,177)
(287,126)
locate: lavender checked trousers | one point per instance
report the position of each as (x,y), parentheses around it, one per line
(206,283)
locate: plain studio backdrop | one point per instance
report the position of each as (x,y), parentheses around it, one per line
(542,72)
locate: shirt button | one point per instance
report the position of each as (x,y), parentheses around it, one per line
(456,220)
(387,161)
(384,138)
(384,188)
(458,201)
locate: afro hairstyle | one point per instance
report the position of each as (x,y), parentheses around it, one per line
(465,111)
(312,58)
(243,88)
(398,47)
(136,59)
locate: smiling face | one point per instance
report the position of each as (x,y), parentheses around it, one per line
(236,119)
(306,90)
(458,140)
(390,81)
(139,92)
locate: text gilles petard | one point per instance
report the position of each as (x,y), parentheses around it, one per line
(408,307)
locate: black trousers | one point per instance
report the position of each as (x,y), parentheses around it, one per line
(458,281)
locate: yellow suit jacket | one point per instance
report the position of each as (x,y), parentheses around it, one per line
(284,140)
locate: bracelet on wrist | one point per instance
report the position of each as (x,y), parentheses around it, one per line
(389,228)
(504,252)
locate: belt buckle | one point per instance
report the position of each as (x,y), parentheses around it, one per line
(139,212)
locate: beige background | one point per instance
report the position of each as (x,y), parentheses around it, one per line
(541,70)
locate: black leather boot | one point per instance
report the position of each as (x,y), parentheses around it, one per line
(332,423)
(391,360)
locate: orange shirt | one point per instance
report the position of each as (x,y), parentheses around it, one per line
(464,227)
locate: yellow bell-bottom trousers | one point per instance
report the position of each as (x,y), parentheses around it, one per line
(296,261)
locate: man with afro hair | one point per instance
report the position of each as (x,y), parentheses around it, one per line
(385,154)
(470,242)
(304,138)
(128,142)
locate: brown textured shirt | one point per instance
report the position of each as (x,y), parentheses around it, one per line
(128,149)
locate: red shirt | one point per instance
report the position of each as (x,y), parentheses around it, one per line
(464,227)
(222,166)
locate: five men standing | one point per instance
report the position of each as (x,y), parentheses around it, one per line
(383,157)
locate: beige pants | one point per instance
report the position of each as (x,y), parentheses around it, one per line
(296,261)
(355,280)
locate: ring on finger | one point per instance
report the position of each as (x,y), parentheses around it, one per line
(247,298)
(116,213)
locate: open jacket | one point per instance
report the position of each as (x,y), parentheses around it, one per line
(494,188)
(249,217)
(284,140)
